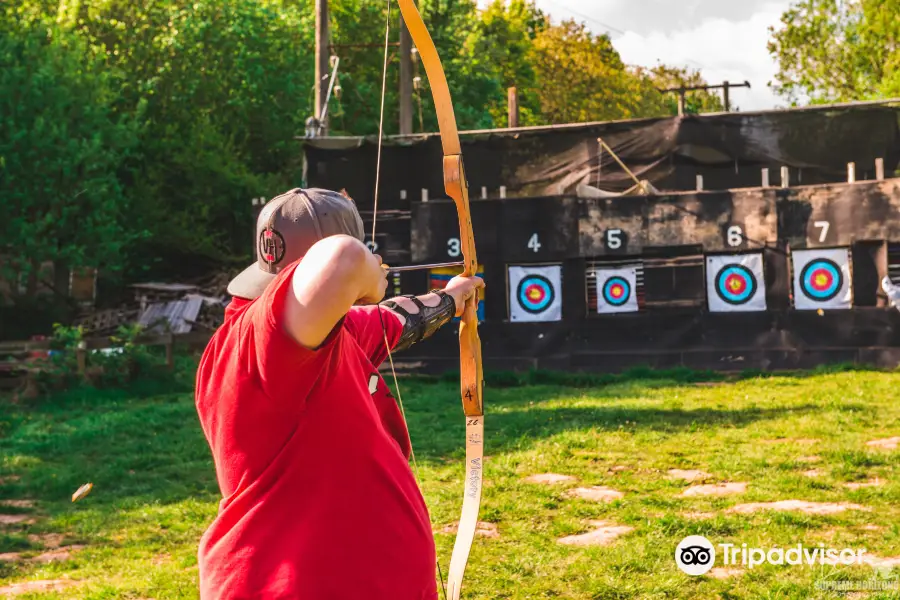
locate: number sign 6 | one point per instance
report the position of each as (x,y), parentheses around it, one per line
(735,236)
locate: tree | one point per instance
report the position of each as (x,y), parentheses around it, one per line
(502,43)
(470,75)
(225,88)
(580,77)
(831,50)
(60,149)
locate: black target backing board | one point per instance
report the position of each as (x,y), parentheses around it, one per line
(611,226)
(721,221)
(840,214)
(434,230)
(538,229)
(718,221)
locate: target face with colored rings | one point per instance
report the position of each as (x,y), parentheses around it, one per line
(535,293)
(616,291)
(735,284)
(821,279)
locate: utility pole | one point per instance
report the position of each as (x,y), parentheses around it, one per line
(406,80)
(322,56)
(725,87)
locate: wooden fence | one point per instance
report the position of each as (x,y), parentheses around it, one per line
(18,360)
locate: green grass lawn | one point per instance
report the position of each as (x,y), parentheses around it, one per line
(154,486)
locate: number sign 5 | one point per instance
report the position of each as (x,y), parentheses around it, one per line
(614,239)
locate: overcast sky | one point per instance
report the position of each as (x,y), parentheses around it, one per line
(723,39)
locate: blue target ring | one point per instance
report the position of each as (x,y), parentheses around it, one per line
(821,280)
(616,291)
(535,294)
(735,284)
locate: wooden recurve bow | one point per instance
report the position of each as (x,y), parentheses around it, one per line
(471,380)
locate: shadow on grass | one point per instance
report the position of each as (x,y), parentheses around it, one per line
(679,375)
(526,421)
(145,444)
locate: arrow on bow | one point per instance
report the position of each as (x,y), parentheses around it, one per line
(471,379)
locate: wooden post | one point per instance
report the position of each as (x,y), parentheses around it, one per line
(785,177)
(725,97)
(765,178)
(851,172)
(322,56)
(170,352)
(406,80)
(681,93)
(512,106)
(81,358)
(881,267)
(699,183)
(879,169)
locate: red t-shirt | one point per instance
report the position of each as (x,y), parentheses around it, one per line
(311,453)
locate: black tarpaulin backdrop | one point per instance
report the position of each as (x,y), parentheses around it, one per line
(728,150)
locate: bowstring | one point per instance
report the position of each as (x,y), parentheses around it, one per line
(387,344)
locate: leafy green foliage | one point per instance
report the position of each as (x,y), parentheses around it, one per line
(563,72)
(582,78)
(134,134)
(61,145)
(838,51)
(126,361)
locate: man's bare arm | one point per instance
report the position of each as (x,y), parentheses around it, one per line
(335,274)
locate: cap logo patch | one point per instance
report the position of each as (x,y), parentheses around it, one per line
(271,246)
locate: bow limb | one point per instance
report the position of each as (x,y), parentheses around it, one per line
(471,379)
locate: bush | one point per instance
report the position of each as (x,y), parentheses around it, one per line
(118,366)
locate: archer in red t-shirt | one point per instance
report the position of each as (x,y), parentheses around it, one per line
(310,447)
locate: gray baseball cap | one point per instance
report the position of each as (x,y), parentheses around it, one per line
(287,228)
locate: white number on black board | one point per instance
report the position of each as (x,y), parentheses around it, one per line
(613,239)
(735,236)
(453,247)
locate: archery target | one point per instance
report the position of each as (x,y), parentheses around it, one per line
(822,279)
(534,293)
(735,283)
(616,290)
(439,278)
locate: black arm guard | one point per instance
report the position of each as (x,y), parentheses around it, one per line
(421,325)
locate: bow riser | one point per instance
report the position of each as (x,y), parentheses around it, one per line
(469,342)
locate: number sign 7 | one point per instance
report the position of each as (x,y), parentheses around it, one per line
(823,226)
